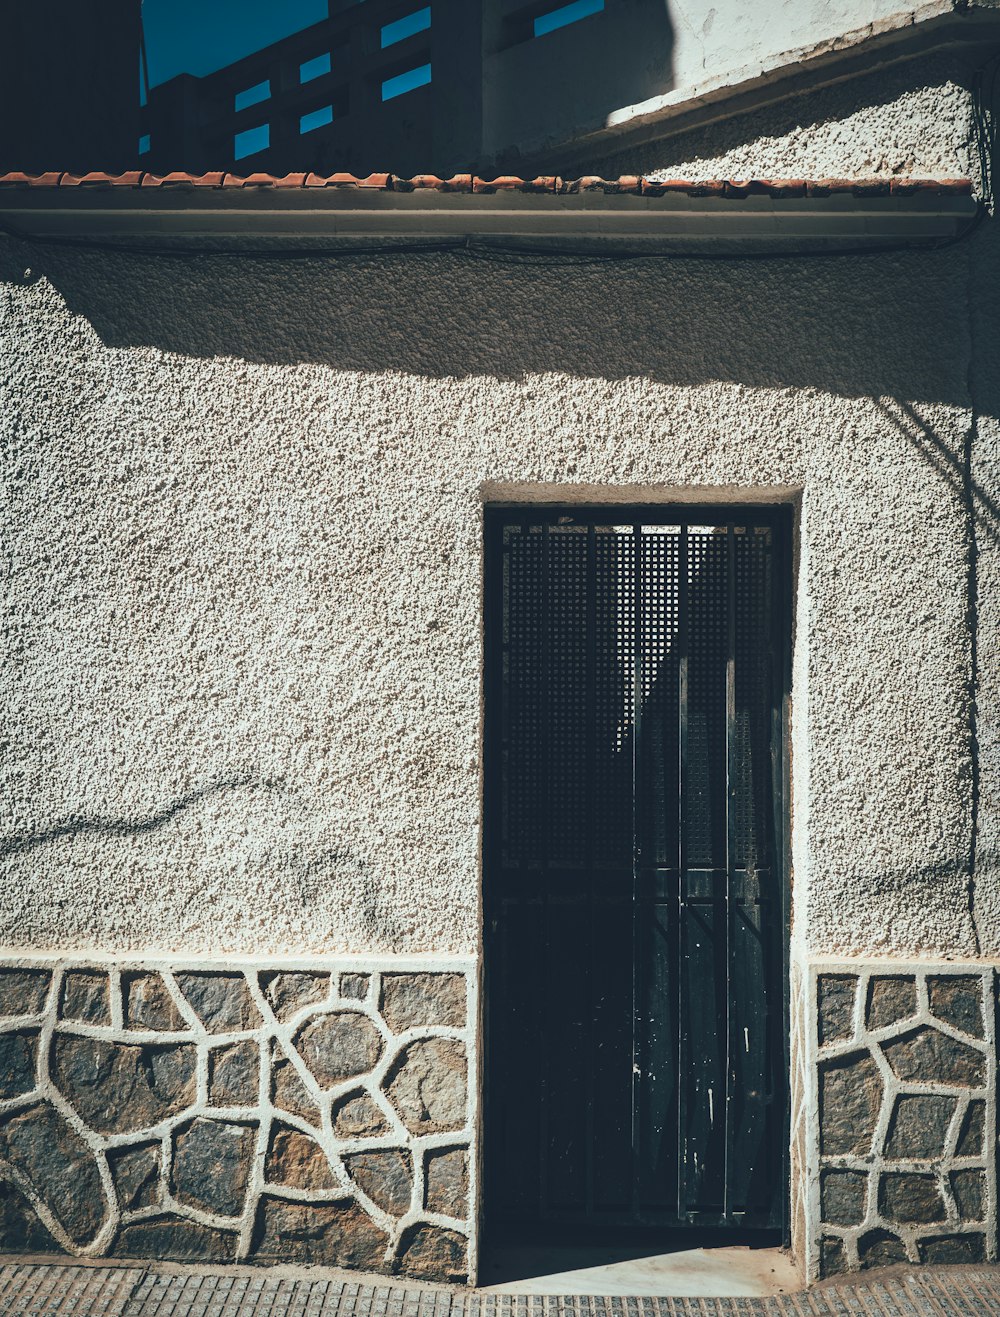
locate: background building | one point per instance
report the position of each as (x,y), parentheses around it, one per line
(71,102)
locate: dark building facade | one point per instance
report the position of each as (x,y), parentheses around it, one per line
(70,102)
(413,88)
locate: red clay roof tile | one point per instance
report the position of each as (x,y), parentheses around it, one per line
(627,183)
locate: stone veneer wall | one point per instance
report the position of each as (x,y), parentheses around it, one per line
(902,1162)
(271,1112)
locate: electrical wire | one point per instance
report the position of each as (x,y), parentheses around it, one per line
(984,85)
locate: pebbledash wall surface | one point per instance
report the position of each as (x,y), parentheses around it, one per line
(241,894)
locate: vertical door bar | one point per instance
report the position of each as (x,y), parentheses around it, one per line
(636,858)
(543,856)
(780,614)
(682,738)
(731,773)
(591,643)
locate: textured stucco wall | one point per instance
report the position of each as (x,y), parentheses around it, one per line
(982,495)
(243,691)
(245,604)
(913,118)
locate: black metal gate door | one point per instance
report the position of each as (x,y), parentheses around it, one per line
(634,866)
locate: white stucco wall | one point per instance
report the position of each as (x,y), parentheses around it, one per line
(243,684)
(720,41)
(638,67)
(913,119)
(260,583)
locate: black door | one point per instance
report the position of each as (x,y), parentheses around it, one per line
(634,866)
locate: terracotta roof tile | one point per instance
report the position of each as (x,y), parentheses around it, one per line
(17,179)
(628,183)
(511,183)
(179,179)
(457,183)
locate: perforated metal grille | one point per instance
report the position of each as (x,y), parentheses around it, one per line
(633,794)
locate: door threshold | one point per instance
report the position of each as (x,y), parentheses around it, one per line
(683,1271)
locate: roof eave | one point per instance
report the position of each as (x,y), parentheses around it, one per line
(587,209)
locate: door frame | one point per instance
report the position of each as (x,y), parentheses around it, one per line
(783,515)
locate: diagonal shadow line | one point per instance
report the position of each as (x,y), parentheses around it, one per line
(74,826)
(980,513)
(932,449)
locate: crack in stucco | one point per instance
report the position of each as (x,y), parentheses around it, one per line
(125,827)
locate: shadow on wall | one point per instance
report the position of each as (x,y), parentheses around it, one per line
(855,326)
(548,79)
(886,324)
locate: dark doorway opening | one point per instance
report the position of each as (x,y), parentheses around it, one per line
(635,871)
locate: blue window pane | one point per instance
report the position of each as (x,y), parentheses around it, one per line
(252,141)
(404,82)
(144,143)
(253,95)
(419,21)
(567,14)
(316,119)
(314,68)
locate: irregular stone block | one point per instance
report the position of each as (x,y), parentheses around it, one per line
(86,995)
(18,1053)
(836,1007)
(957,1000)
(919,1126)
(937,1250)
(911,1198)
(290,1094)
(879,1248)
(120,1087)
(432,1253)
(843,1196)
(221,1001)
(59,1166)
(211,1164)
(136,1173)
(832,1257)
(356,1116)
(385,1176)
(233,1075)
(288,991)
(23,991)
(447,1178)
(331,1234)
(850,1097)
(296,1160)
(147,1004)
(409,1000)
(969,1189)
(354,987)
(21,1230)
(927,1056)
(970,1139)
(428,1085)
(890,999)
(338,1046)
(169,1239)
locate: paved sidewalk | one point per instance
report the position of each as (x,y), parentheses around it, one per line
(47,1290)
